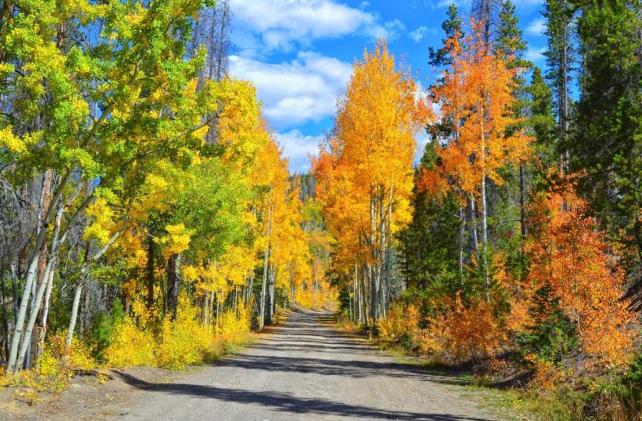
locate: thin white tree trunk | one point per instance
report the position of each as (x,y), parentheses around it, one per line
(473,223)
(484,209)
(38,297)
(462,233)
(355,298)
(84,271)
(12,365)
(206,310)
(22,312)
(26,340)
(265,270)
(74,314)
(45,310)
(211,307)
(218,307)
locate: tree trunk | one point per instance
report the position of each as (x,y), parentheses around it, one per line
(473,223)
(522,201)
(41,277)
(462,233)
(26,340)
(42,329)
(484,210)
(22,312)
(355,299)
(84,273)
(218,307)
(206,310)
(365,290)
(5,320)
(14,290)
(173,284)
(33,263)
(266,259)
(211,308)
(29,282)
(372,267)
(74,314)
(150,273)
(250,289)
(271,290)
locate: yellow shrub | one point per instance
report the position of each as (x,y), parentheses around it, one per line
(77,357)
(235,330)
(401,321)
(130,346)
(53,370)
(546,375)
(183,341)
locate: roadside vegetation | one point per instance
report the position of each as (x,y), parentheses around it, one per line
(147,216)
(514,251)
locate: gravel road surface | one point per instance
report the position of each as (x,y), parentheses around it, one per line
(306,370)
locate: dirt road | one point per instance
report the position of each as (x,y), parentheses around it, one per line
(306,370)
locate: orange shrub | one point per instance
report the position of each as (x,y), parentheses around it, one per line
(461,333)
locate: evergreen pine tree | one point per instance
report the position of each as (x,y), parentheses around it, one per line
(542,122)
(429,245)
(452,27)
(607,141)
(560,58)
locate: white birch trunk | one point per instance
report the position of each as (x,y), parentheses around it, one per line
(484,209)
(26,340)
(265,270)
(74,314)
(78,291)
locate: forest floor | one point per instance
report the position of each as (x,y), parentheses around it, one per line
(302,369)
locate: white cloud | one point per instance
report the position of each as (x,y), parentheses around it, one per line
(535,55)
(296,92)
(422,139)
(536,27)
(284,24)
(298,148)
(419,33)
(393,29)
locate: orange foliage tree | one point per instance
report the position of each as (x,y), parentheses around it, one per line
(475,99)
(571,256)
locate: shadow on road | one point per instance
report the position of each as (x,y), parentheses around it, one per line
(284,402)
(327,367)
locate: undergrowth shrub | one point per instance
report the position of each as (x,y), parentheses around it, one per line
(105,328)
(53,370)
(401,325)
(183,341)
(461,332)
(234,329)
(130,346)
(177,343)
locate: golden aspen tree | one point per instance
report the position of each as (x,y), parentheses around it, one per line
(365,173)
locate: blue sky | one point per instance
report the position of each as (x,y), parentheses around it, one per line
(299,54)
